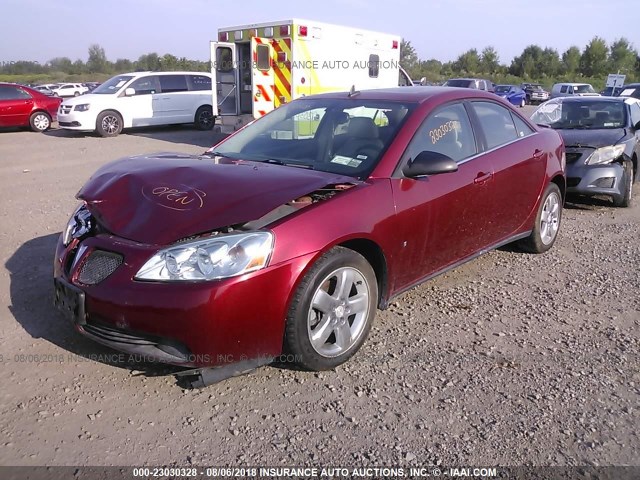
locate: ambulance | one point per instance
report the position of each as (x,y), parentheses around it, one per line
(258,67)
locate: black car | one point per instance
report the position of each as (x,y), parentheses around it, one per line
(602,141)
(630,90)
(535,93)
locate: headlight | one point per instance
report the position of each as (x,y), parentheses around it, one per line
(82,107)
(605,155)
(211,258)
(78,225)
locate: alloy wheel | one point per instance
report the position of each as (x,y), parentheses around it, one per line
(550,218)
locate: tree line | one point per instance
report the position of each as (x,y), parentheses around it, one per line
(535,64)
(96,68)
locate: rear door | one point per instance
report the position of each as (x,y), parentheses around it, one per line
(262,88)
(224,69)
(174,102)
(15,106)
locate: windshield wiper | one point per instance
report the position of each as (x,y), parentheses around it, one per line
(275,161)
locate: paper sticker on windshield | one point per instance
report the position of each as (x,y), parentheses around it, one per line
(627,92)
(348,161)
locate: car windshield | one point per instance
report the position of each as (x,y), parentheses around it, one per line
(589,114)
(502,88)
(583,89)
(113,84)
(344,136)
(457,83)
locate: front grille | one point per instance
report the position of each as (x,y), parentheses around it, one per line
(98,266)
(65,109)
(573,156)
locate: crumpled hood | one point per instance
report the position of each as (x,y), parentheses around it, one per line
(591,138)
(162,198)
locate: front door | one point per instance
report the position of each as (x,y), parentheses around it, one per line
(443,217)
(224,68)
(262,89)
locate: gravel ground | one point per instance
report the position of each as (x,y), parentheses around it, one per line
(512,359)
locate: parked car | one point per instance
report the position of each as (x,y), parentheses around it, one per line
(512,93)
(477,83)
(535,92)
(22,106)
(141,99)
(630,90)
(287,235)
(602,138)
(91,86)
(572,89)
(70,90)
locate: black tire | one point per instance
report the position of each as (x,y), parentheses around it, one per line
(204,119)
(109,124)
(301,318)
(540,241)
(625,198)
(40,121)
(75,94)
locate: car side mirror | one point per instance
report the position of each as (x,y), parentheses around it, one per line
(129,92)
(429,163)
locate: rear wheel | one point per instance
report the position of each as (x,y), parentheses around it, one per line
(624,199)
(109,124)
(204,119)
(523,102)
(332,310)
(545,230)
(40,121)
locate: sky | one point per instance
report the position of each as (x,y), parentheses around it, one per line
(38,30)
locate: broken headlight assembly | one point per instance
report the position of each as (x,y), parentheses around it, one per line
(605,155)
(80,224)
(210,258)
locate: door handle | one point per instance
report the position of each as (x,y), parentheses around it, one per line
(537,153)
(482,177)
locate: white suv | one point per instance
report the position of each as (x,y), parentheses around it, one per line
(141,99)
(70,90)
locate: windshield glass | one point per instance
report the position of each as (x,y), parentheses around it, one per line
(502,88)
(457,83)
(113,84)
(583,89)
(345,136)
(589,114)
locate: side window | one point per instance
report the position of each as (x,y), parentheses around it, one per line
(496,123)
(447,131)
(146,85)
(635,113)
(173,83)
(224,59)
(374,65)
(264,60)
(522,129)
(199,82)
(563,89)
(8,92)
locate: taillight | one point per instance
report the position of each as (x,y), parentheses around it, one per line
(302,30)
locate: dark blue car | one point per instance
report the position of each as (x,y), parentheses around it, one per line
(513,94)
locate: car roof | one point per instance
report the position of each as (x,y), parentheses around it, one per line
(164,73)
(572,83)
(590,99)
(417,94)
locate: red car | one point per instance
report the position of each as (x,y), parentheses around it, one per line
(22,106)
(287,236)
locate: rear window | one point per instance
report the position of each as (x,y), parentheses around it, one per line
(199,82)
(458,83)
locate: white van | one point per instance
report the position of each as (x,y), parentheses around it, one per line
(141,99)
(573,89)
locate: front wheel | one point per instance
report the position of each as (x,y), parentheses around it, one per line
(204,118)
(332,310)
(624,199)
(40,121)
(109,124)
(545,230)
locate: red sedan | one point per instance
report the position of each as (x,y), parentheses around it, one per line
(287,236)
(22,106)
